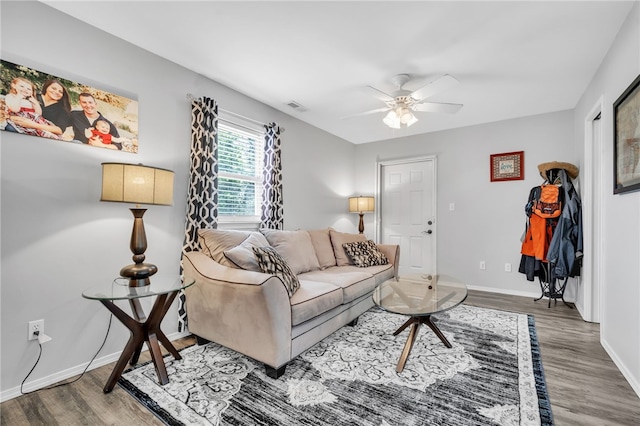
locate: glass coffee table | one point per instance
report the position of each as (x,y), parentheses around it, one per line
(419,296)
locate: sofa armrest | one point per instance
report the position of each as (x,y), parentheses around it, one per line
(249,312)
(392,251)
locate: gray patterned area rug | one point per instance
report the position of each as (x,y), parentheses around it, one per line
(491,376)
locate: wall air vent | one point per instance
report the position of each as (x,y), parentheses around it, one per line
(296,106)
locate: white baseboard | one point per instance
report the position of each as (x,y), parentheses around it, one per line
(69,373)
(633,381)
(531,294)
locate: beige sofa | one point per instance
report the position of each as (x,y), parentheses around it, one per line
(236,305)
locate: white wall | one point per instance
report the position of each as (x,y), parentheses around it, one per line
(620,307)
(58,239)
(489,217)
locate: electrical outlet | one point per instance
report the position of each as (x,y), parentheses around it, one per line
(34,326)
(483,265)
(507,267)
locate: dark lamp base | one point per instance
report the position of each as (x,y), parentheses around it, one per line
(139,274)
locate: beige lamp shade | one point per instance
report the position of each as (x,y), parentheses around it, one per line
(135,183)
(361,204)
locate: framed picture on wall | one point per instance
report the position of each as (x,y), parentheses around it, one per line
(38,104)
(626,140)
(507,166)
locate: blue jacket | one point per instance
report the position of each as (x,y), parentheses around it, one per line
(566,249)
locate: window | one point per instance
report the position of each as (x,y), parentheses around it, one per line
(240,157)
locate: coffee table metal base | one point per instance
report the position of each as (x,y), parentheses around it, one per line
(413,333)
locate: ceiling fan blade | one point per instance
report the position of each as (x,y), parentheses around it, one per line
(437,107)
(373,111)
(381,95)
(436,86)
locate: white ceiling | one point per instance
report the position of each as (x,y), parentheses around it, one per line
(512,58)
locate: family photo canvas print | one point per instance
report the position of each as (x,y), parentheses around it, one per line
(39,104)
(626,156)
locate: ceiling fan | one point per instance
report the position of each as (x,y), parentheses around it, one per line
(402,103)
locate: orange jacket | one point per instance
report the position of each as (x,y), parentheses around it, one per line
(537,239)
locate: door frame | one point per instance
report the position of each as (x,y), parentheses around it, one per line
(378,213)
(593,215)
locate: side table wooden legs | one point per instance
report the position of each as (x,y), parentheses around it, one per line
(143,329)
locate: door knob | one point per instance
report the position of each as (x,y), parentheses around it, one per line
(428,232)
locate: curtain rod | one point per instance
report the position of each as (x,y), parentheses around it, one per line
(251,120)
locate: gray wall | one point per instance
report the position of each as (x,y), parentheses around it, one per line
(489,218)
(58,239)
(620,307)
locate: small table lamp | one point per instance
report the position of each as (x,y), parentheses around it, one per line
(135,183)
(361,205)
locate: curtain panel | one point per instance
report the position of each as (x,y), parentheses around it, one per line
(272,216)
(202,193)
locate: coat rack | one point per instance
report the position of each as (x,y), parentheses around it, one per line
(552,247)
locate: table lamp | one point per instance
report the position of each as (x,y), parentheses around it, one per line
(139,184)
(361,205)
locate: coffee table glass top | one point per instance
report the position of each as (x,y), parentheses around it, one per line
(119,288)
(420,294)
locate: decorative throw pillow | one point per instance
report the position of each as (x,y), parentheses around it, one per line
(365,253)
(242,256)
(295,247)
(338,239)
(271,262)
(214,242)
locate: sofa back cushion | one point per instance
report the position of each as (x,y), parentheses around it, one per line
(295,247)
(214,242)
(340,238)
(322,245)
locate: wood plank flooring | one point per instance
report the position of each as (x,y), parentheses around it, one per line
(584,385)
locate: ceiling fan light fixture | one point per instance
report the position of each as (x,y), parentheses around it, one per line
(412,119)
(392,120)
(406,116)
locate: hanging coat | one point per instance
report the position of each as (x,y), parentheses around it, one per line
(565,248)
(536,240)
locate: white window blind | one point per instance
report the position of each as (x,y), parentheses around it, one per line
(240,157)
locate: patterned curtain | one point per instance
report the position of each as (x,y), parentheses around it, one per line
(202,201)
(272,204)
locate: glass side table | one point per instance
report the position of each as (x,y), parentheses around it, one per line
(142,328)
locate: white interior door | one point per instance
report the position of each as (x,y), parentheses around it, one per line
(407,212)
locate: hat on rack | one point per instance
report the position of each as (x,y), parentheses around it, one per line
(571,170)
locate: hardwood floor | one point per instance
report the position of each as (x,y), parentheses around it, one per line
(584,385)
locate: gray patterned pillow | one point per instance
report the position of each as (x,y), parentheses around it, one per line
(365,253)
(271,262)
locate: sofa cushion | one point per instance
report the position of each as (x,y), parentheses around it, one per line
(242,256)
(354,282)
(381,273)
(322,245)
(295,247)
(313,299)
(365,253)
(340,238)
(214,242)
(271,262)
